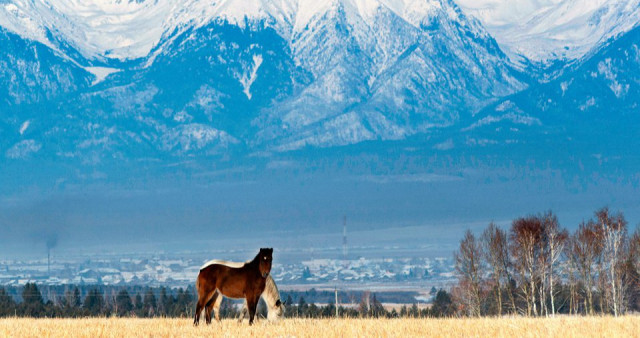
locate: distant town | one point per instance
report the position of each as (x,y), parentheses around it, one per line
(359,273)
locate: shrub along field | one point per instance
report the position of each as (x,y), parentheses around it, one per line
(561,326)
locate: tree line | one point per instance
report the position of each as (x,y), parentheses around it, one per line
(538,268)
(370,307)
(162,302)
(152,302)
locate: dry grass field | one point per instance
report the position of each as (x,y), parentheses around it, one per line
(628,326)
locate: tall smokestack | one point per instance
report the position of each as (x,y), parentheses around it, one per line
(344,240)
(51,242)
(344,260)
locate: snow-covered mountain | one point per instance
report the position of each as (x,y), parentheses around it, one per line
(276,76)
(378,75)
(547,30)
(111,81)
(538,30)
(593,100)
(125,29)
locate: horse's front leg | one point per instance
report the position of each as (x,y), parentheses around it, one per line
(252,304)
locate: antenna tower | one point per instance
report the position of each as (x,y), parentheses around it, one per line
(344,240)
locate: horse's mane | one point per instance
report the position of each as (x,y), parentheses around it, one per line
(231,264)
(225,263)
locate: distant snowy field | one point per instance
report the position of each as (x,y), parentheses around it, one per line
(400,267)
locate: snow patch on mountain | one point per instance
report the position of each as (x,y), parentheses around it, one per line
(505,111)
(23,149)
(605,68)
(24,126)
(510,116)
(207,99)
(196,136)
(100,73)
(247,79)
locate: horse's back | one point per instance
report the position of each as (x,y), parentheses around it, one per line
(208,275)
(230,281)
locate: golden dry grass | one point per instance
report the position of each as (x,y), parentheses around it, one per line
(628,326)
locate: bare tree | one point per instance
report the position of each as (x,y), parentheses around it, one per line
(541,270)
(633,272)
(555,240)
(572,273)
(585,249)
(496,250)
(468,265)
(613,229)
(525,244)
(634,250)
(531,262)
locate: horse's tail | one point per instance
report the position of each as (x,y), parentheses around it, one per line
(197,283)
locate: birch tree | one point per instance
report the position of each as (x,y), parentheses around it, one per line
(633,273)
(613,229)
(496,250)
(468,266)
(571,271)
(555,240)
(585,249)
(525,238)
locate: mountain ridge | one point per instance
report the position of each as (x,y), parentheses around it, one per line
(326,85)
(355,71)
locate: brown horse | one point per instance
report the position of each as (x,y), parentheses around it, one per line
(271,296)
(246,282)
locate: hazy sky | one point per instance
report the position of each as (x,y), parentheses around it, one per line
(222,214)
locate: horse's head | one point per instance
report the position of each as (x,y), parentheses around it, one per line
(277,311)
(264,257)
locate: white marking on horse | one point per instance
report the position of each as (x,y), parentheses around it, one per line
(225,263)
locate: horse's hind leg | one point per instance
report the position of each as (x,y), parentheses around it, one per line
(216,305)
(200,305)
(209,307)
(204,295)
